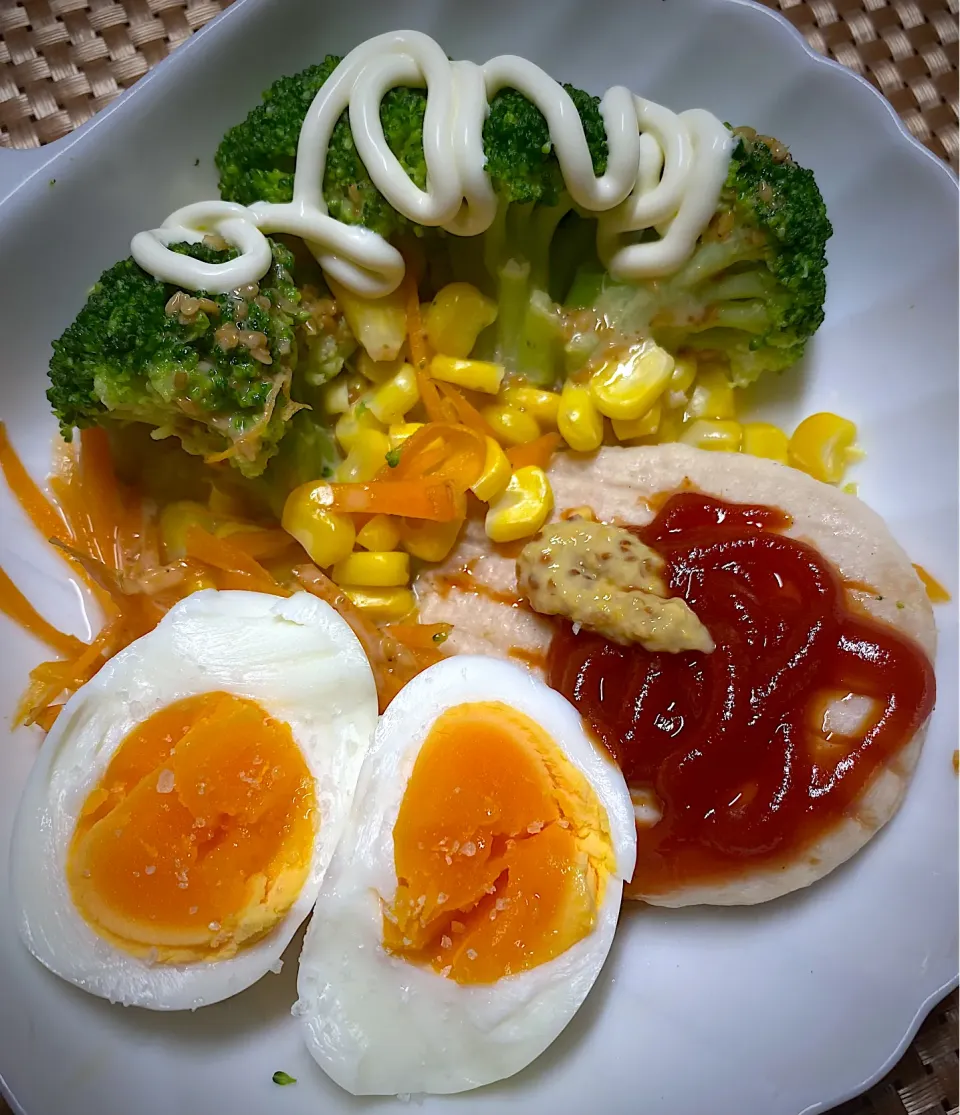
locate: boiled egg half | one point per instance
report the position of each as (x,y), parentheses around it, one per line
(180,816)
(474,895)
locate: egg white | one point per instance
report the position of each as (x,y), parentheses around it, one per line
(301,662)
(379,1025)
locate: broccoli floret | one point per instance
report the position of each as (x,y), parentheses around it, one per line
(754,289)
(214,371)
(256,160)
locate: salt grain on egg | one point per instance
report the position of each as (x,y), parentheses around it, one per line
(469,849)
(149,869)
(165,781)
(446,942)
(471,954)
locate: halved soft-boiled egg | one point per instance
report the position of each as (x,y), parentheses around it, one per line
(177,824)
(475,893)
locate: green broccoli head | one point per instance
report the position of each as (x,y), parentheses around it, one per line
(214,371)
(257,158)
(754,289)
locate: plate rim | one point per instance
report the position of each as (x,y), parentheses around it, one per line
(33,163)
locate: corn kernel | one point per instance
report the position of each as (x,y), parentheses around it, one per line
(392,399)
(366,457)
(429,541)
(398,432)
(684,373)
(627,429)
(628,385)
(456,317)
(671,426)
(511,426)
(375,569)
(713,433)
(578,420)
(523,508)
(822,445)
(339,394)
(496,473)
(379,324)
(359,417)
(543,405)
(712,397)
(377,371)
(326,535)
(175,520)
(379,533)
(382,605)
(476,375)
(760,439)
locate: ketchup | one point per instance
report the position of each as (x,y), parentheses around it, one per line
(731,742)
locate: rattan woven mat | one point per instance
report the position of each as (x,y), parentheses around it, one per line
(63,60)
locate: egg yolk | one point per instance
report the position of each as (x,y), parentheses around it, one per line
(501,849)
(199,836)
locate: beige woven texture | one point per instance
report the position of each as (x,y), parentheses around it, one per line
(63,60)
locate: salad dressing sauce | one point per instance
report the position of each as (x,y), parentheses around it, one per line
(664,172)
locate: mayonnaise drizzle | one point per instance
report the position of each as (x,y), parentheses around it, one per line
(664,171)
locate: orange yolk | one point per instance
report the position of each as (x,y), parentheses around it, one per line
(199,836)
(494,849)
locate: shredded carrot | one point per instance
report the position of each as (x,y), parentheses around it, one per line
(538,452)
(437,409)
(14,604)
(393,664)
(207,548)
(416,337)
(420,636)
(262,544)
(416,499)
(935,591)
(440,451)
(466,413)
(40,510)
(47,717)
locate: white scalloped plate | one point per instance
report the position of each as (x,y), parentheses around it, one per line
(776,1010)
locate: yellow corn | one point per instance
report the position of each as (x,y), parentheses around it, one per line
(578,420)
(339,393)
(512,426)
(712,396)
(223,528)
(671,426)
(175,520)
(379,324)
(224,504)
(822,445)
(684,373)
(523,508)
(367,456)
(496,473)
(627,429)
(476,375)
(543,405)
(326,535)
(627,386)
(382,605)
(398,432)
(349,426)
(713,433)
(379,533)
(455,318)
(377,569)
(760,439)
(376,371)
(392,399)
(429,541)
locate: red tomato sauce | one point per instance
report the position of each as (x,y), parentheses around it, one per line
(732,742)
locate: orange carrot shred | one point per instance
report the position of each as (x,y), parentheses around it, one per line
(14,604)
(538,452)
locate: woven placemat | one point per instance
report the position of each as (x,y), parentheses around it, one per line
(63,60)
